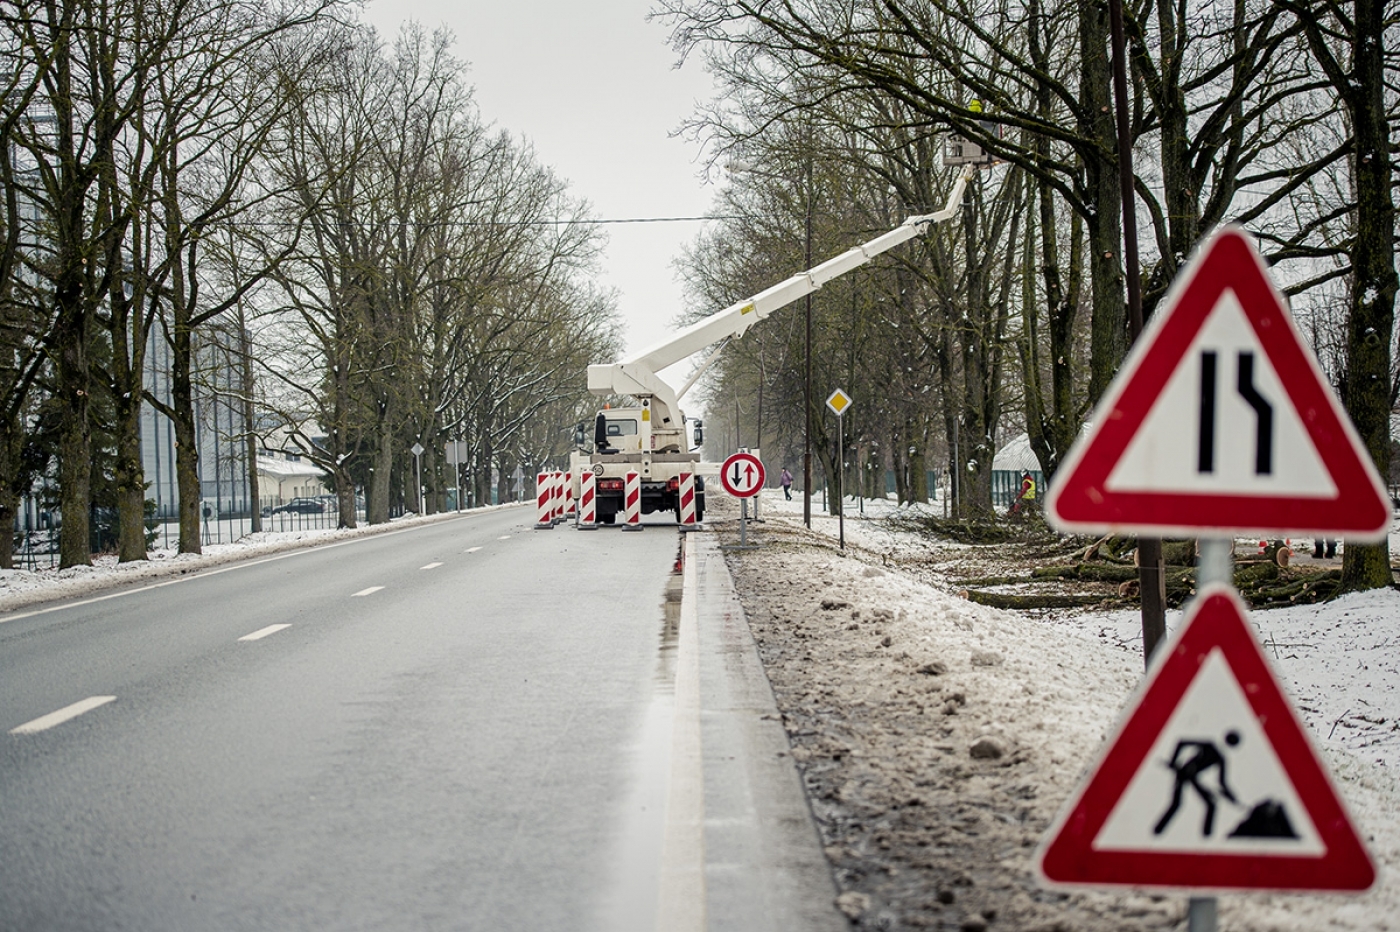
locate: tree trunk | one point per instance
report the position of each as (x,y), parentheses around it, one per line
(377,506)
(250,438)
(128,359)
(189,491)
(75,430)
(1108,325)
(11,447)
(1370,328)
(130,480)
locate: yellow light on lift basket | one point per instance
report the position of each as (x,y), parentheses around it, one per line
(838,402)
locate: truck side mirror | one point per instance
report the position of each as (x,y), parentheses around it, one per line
(699,434)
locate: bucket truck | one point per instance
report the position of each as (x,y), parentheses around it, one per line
(650,438)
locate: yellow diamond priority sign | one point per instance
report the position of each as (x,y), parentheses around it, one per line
(838,402)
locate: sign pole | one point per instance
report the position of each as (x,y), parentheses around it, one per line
(1215,564)
(417,451)
(841,478)
(742,476)
(838,401)
(1200,914)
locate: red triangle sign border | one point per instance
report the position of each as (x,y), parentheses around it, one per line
(1081,500)
(1216,619)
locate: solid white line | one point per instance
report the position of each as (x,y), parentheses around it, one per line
(370,591)
(430,566)
(62,715)
(471,550)
(263,632)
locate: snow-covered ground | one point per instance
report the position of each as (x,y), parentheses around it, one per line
(1339,662)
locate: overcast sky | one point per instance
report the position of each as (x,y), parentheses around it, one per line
(591,85)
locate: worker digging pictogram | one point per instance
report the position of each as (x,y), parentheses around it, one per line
(1210,780)
(1191,762)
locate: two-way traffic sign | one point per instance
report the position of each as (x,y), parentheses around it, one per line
(1210,780)
(1221,420)
(742,475)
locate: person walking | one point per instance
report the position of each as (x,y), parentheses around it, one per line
(786,479)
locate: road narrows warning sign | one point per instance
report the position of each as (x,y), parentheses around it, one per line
(1220,420)
(1210,781)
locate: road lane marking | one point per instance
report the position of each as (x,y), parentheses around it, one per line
(471,550)
(263,632)
(506,537)
(430,566)
(370,591)
(45,722)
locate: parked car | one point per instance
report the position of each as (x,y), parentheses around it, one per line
(298,506)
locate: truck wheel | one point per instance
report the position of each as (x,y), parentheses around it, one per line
(608,519)
(699,508)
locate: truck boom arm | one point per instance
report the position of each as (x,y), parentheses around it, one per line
(637,375)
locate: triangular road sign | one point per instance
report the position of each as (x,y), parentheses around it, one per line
(1221,420)
(1210,782)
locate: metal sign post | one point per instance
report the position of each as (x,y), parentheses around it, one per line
(838,401)
(417,451)
(742,476)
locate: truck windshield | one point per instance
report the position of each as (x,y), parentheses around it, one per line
(621,428)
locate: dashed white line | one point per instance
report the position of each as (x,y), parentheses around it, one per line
(263,632)
(471,550)
(430,566)
(370,591)
(45,722)
(504,537)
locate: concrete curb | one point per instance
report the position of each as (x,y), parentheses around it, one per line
(764,864)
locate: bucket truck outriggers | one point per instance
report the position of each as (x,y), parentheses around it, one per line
(650,438)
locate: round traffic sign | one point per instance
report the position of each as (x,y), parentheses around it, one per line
(742,475)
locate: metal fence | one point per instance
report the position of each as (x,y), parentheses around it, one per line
(36,528)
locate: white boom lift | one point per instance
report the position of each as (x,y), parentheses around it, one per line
(650,439)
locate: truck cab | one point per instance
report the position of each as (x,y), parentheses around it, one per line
(621,440)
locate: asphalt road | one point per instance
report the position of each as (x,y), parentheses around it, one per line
(448,727)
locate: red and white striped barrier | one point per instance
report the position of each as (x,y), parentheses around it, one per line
(632,502)
(687,497)
(588,501)
(544,501)
(570,499)
(558,481)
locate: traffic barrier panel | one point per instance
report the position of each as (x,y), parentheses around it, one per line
(686,491)
(632,501)
(570,499)
(544,501)
(558,481)
(588,501)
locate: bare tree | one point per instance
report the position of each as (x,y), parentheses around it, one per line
(1350,46)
